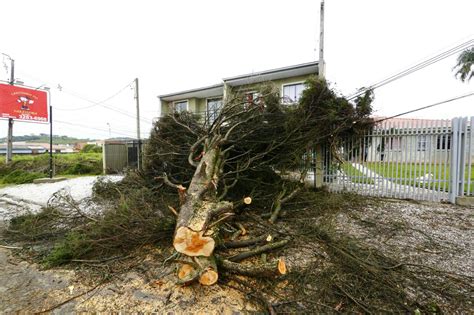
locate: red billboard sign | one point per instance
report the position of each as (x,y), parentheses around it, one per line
(23,103)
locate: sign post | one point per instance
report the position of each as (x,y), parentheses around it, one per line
(9,153)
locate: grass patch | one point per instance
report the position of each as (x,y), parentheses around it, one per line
(406,173)
(26,168)
(355,175)
(20,177)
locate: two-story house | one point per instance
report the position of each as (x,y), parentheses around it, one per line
(207,101)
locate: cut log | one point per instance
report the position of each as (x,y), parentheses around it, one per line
(191,243)
(257,251)
(248,200)
(187,274)
(247,242)
(208,277)
(201,213)
(275,268)
(282,266)
(208,270)
(242,228)
(184,271)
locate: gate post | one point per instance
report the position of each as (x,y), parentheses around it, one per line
(453,173)
(462,156)
(458,158)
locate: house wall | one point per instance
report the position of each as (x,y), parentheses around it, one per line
(199,105)
(276,83)
(165,110)
(195,105)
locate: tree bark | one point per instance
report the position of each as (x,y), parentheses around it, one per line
(197,221)
(192,236)
(275,268)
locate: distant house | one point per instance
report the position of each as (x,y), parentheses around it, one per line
(207,101)
(410,140)
(99,143)
(35,148)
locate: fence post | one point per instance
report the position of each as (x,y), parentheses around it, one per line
(462,155)
(318,166)
(453,174)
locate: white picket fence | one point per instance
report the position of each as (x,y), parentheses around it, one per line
(407,159)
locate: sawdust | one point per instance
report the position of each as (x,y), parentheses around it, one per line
(26,288)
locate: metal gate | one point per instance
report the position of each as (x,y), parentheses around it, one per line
(407,159)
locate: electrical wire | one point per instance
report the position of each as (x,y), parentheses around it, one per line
(95,103)
(428,106)
(99,129)
(415,68)
(125,113)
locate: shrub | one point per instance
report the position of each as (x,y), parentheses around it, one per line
(74,245)
(91,148)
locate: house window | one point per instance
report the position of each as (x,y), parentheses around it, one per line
(422,143)
(292,93)
(443,142)
(252,98)
(395,143)
(180,106)
(214,106)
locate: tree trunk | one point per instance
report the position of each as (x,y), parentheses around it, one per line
(195,233)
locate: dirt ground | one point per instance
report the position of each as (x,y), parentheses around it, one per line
(437,235)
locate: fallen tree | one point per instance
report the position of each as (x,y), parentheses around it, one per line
(219,168)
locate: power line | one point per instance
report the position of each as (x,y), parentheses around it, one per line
(95,103)
(428,106)
(110,108)
(415,68)
(89,127)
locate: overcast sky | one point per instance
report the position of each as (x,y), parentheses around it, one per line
(94,49)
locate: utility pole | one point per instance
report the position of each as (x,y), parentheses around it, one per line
(318,169)
(10,120)
(50,134)
(138,125)
(321,63)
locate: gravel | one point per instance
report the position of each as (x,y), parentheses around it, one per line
(434,234)
(15,200)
